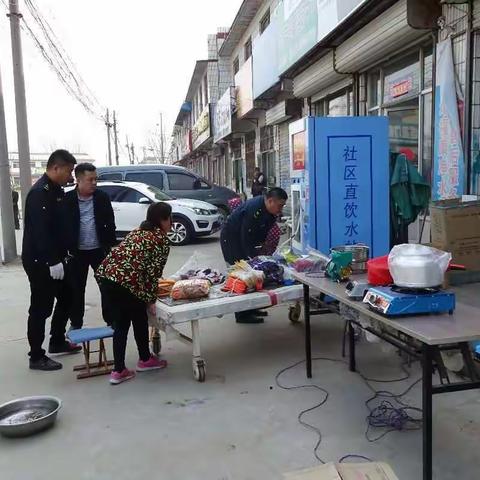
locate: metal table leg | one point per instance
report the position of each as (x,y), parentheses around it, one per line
(308,341)
(198,363)
(427,392)
(351,343)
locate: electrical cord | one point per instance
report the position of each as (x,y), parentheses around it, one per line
(392,414)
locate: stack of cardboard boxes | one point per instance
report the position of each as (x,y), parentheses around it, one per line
(455,227)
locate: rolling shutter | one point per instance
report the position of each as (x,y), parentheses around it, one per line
(316,77)
(382,36)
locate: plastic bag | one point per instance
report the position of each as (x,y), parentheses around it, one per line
(284,254)
(310,264)
(198,261)
(243,271)
(190,289)
(418,266)
(272,270)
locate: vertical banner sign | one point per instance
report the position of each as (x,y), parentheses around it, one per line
(448,175)
(350,180)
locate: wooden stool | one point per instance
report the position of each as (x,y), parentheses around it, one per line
(85,336)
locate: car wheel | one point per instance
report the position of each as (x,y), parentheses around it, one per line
(181,232)
(224,212)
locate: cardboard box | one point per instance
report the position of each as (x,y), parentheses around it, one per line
(345,471)
(455,228)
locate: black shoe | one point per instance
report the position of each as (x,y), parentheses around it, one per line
(46,364)
(260,313)
(66,347)
(251,318)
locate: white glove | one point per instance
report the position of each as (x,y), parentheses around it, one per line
(57,272)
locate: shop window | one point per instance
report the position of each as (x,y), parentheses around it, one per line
(267,138)
(265,21)
(339,106)
(248,48)
(268,168)
(404,131)
(427,70)
(401,83)
(374,90)
(318,109)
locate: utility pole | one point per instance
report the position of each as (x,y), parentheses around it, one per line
(109,126)
(162,155)
(128,150)
(6,205)
(133,153)
(20,103)
(115,137)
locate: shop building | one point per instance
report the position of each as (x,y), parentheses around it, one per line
(192,136)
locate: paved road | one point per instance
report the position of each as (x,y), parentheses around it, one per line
(238,425)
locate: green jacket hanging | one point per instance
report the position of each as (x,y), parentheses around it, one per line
(409,192)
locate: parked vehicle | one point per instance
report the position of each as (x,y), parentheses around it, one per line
(191,218)
(178,182)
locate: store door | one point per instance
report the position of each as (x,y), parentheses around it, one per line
(404,138)
(238,177)
(250,158)
(404,122)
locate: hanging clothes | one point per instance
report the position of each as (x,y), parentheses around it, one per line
(409,196)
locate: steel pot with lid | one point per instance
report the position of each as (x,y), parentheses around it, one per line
(360,255)
(418,266)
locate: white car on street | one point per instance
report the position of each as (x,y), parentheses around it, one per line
(130,201)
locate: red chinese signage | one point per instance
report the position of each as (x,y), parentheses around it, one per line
(401,88)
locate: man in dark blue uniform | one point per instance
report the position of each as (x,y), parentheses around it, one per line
(245,231)
(45,257)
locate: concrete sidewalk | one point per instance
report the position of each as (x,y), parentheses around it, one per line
(238,425)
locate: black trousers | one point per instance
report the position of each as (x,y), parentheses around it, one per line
(43,292)
(231,252)
(231,247)
(83,261)
(126,309)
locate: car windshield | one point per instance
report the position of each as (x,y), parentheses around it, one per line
(158,194)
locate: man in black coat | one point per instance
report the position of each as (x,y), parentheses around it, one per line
(45,259)
(91,233)
(245,232)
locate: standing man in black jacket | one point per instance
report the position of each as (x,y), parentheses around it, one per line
(92,232)
(45,257)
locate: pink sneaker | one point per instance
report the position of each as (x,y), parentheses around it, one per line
(116,377)
(153,363)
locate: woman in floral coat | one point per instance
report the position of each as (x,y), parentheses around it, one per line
(128,280)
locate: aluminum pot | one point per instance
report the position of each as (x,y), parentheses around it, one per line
(360,254)
(416,271)
(29,415)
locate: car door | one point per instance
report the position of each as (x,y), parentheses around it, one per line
(130,212)
(182,185)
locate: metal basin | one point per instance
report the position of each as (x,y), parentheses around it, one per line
(360,254)
(29,415)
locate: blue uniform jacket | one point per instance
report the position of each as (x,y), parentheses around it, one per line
(246,229)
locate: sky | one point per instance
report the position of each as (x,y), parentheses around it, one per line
(136,56)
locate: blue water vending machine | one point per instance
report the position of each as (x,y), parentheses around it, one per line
(340,183)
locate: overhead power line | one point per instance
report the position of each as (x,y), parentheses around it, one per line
(59,61)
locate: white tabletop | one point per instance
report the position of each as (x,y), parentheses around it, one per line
(216,307)
(462,326)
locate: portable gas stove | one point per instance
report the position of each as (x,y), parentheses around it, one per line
(356,290)
(395,301)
